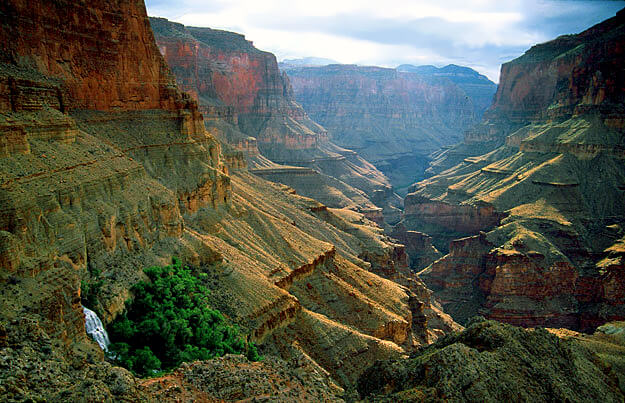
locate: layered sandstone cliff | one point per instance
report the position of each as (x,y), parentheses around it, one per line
(392,118)
(542,177)
(104,55)
(235,82)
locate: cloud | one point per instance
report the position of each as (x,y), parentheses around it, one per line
(476,33)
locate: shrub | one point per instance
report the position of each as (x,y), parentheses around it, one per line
(169,321)
(90,290)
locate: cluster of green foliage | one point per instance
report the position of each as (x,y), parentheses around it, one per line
(169,322)
(90,290)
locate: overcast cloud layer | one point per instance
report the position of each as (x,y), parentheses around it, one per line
(480,34)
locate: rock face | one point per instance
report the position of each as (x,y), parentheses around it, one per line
(542,175)
(85,376)
(249,103)
(392,118)
(93,190)
(235,82)
(573,74)
(113,65)
(490,361)
(478,87)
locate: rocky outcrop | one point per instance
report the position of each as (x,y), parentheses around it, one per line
(235,82)
(444,220)
(493,361)
(34,367)
(311,183)
(541,176)
(392,118)
(103,54)
(232,378)
(419,248)
(573,74)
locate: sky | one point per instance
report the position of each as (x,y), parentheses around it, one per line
(481,34)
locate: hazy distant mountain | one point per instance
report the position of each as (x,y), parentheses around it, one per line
(306,62)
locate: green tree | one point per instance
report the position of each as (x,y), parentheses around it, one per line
(169,321)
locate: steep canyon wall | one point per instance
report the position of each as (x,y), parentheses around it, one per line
(541,177)
(249,103)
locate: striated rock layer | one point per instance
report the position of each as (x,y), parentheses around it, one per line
(92,191)
(535,192)
(393,118)
(239,84)
(71,199)
(103,54)
(249,104)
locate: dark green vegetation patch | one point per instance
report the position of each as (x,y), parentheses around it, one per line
(169,322)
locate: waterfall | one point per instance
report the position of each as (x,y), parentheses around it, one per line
(95,329)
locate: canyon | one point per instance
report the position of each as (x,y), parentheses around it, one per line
(528,210)
(248,104)
(127,140)
(394,118)
(107,168)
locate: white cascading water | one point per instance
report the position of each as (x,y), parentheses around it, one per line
(95,329)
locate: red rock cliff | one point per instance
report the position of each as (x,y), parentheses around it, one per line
(104,52)
(232,79)
(569,75)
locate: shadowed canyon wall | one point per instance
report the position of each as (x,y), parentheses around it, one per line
(536,190)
